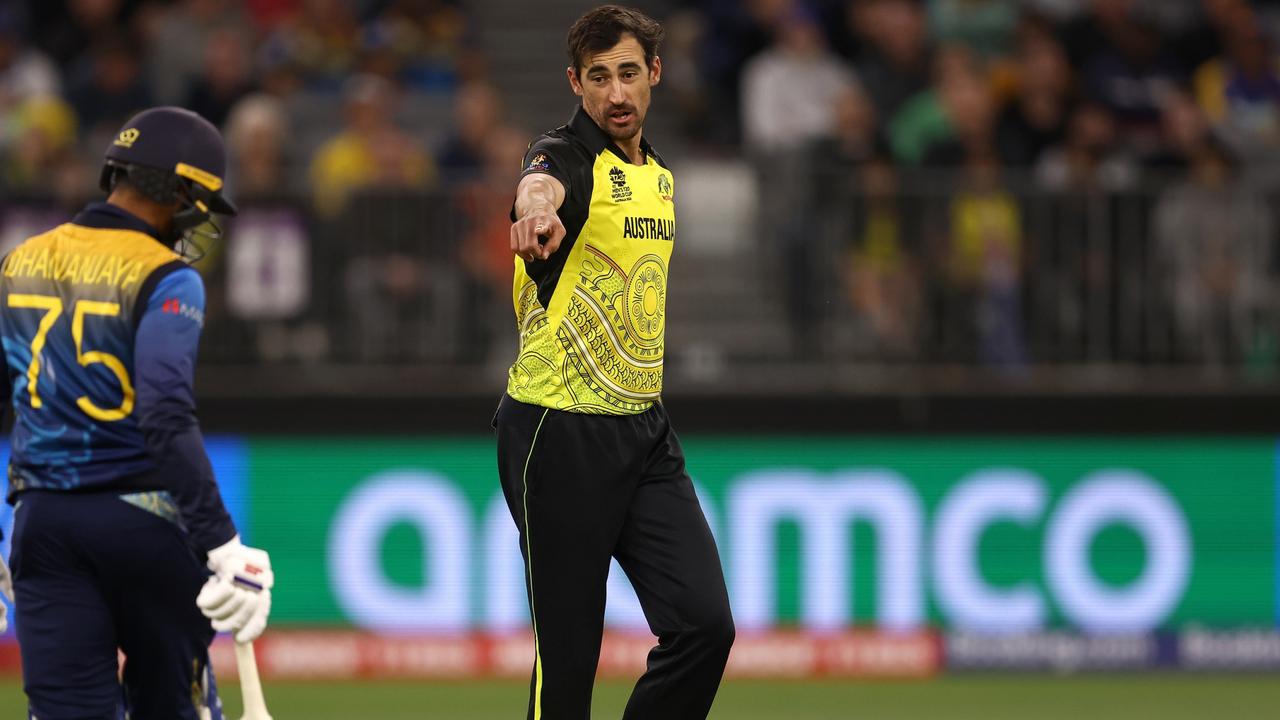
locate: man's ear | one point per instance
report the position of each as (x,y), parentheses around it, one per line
(574,82)
(655,71)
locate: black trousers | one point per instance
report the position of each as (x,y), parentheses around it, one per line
(93,573)
(586,488)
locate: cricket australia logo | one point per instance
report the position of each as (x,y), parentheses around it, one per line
(621,191)
(664,187)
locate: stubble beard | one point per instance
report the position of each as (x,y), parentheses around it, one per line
(617,134)
(629,132)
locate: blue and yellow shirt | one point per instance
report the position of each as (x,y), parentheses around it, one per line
(100,324)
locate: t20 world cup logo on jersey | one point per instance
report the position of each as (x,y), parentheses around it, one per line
(621,192)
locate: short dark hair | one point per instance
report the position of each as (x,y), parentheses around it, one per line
(602,28)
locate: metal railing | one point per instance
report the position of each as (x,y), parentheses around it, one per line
(874,275)
(999,272)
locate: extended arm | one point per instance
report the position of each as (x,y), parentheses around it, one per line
(538,197)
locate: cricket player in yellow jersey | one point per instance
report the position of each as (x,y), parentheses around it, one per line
(590,467)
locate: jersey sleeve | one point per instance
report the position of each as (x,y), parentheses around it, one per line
(552,156)
(165,347)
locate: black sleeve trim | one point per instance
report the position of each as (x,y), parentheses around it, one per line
(149,286)
(573,213)
(563,164)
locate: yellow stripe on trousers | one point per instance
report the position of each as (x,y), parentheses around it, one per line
(537,646)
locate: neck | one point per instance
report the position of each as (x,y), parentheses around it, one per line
(631,147)
(153,214)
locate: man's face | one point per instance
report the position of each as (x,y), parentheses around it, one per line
(615,86)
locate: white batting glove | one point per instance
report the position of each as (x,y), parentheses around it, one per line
(238,596)
(6,588)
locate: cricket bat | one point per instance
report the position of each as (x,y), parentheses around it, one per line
(255,706)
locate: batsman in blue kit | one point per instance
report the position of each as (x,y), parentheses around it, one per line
(120,536)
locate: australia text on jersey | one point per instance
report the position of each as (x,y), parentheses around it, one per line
(647,228)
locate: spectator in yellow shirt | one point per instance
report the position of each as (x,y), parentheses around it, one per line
(370,152)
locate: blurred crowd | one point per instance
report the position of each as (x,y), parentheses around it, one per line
(71,72)
(340,116)
(990,181)
(1079,159)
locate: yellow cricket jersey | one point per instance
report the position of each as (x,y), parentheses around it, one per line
(591,317)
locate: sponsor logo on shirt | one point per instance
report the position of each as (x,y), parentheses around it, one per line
(174,306)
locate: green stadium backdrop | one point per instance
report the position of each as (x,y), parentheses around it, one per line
(843,557)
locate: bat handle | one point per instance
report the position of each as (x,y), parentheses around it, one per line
(255,705)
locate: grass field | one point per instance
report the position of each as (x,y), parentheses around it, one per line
(990,697)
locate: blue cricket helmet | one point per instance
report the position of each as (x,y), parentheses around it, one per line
(185,151)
